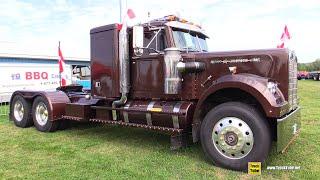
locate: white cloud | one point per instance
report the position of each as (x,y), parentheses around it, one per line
(36,28)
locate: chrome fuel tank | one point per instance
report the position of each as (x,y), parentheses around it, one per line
(172,114)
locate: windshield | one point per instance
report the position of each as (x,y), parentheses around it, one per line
(189,41)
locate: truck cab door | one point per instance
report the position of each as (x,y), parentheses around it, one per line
(147,69)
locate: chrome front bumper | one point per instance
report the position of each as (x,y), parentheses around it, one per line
(288,128)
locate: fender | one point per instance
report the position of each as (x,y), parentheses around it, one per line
(253,85)
(57,101)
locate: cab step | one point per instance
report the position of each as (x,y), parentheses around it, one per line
(171,131)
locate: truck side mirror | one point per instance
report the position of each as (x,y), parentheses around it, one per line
(137,40)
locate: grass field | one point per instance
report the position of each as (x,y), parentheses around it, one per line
(101,152)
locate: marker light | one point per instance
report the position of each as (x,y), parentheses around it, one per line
(175,18)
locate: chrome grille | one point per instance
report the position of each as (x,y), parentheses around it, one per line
(293,88)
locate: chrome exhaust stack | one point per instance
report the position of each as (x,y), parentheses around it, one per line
(123,63)
(124,60)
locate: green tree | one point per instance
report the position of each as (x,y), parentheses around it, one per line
(313,66)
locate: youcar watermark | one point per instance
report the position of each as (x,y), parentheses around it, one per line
(254,168)
(283,167)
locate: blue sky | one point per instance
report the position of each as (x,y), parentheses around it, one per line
(35,26)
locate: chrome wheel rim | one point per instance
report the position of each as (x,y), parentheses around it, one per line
(41,114)
(18,110)
(232,138)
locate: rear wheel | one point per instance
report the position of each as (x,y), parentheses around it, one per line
(41,115)
(20,111)
(233,134)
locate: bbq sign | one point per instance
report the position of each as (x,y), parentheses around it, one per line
(31,76)
(36,75)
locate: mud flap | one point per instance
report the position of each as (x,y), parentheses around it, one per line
(178,141)
(288,129)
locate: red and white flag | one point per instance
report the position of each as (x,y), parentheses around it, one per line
(130,14)
(285,37)
(61,68)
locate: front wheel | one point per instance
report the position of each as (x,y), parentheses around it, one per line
(233,134)
(41,115)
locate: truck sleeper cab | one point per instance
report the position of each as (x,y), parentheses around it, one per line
(236,103)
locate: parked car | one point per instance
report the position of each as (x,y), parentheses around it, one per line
(315,75)
(302,75)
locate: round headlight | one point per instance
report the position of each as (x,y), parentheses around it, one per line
(272,87)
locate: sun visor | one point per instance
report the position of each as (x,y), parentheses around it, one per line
(186,26)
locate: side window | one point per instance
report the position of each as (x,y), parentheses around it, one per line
(147,38)
(162,44)
(158,43)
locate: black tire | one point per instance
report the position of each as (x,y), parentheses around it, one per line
(26,119)
(254,120)
(45,125)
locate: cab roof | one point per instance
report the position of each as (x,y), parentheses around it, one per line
(176,22)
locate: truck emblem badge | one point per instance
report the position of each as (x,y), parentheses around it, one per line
(233,69)
(241,60)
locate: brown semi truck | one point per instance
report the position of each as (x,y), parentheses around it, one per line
(160,76)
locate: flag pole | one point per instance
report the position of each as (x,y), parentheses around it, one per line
(59,65)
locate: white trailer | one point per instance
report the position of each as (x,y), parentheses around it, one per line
(30,76)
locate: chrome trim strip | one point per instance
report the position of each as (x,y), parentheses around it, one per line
(285,117)
(114,115)
(175,118)
(292,88)
(148,115)
(125,113)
